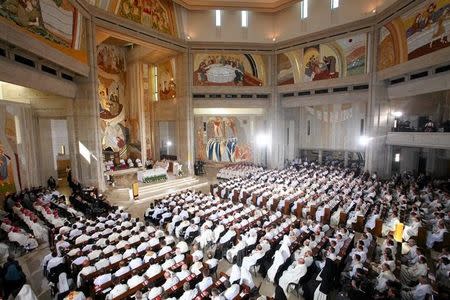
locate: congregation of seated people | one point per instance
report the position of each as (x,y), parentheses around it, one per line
(31,218)
(314,231)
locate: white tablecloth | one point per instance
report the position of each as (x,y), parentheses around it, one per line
(150,173)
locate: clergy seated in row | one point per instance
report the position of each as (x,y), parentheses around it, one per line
(295,272)
(18,235)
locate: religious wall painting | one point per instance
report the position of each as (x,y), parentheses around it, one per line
(353,52)
(157,14)
(6,171)
(111,59)
(229,70)
(319,66)
(284,70)
(111,93)
(10,130)
(166,81)
(8,154)
(222,139)
(335,59)
(56,22)
(422,30)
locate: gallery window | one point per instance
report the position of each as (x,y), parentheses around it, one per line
(334,4)
(304,9)
(244,18)
(218,18)
(155,83)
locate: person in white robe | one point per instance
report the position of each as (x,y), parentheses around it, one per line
(437,235)
(184,272)
(217,232)
(118,290)
(292,275)
(247,278)
(419,292)
(153,270)
(189,294)
(75,295)
(26,293)
(232,290)
(279,258)
(390,224)
(206,236)
(234,273)
(63,283)
(412,273)
(231,253)
(206,282)
(251,260)
(25,240)
(384,276)
(135,280)
(411,230)
(171,280)
(124,268)
(169,261)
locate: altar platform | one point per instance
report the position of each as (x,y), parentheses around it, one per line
(149,192)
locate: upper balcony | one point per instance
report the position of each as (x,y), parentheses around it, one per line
(439,140)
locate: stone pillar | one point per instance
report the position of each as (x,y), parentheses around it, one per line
(377,121)
(86,120)
(135,93)
(185,120)
(275,150)
(320,156)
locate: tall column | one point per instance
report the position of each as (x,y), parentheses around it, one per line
(135,92)
(320,156)
(275,151)
(377,114)
(86,114)
(185,112)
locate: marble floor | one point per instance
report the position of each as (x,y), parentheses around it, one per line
(31,262)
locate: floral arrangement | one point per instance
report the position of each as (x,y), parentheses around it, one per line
(153,179)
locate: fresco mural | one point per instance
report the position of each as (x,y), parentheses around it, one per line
(56,22)
(285,70)
(6,172)
(166,82)
(319,65)
(229,70)
(156,14)
(111,89)
(353,51)
(7,154)
(423,30)
(340,58)
(223,139)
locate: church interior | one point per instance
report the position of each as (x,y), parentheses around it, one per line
(211,149)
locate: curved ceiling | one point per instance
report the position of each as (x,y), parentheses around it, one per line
(254,5)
